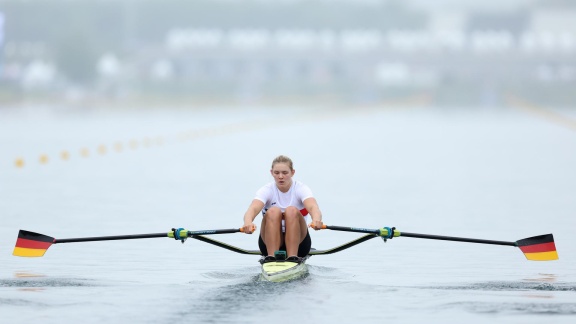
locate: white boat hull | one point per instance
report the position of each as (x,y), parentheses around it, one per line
(283,271)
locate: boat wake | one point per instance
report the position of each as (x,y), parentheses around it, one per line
(235,292)
(45,282)
(516,308)
(531,296)
(511,286)
(252,274)
(328,273)
(233,274)
(21,303)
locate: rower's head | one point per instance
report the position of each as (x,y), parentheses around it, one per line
(283,159)
(282,171)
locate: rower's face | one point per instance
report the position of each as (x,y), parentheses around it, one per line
(282,175)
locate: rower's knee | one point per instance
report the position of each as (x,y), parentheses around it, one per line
(274,214)
(291,213)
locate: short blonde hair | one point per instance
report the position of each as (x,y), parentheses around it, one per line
(283,159)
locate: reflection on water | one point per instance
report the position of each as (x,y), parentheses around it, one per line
(538,296)
(27,275)
(543,277)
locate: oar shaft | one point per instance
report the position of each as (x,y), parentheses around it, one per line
(343,246)
(457,239)
(208,232)
(353,229)
(225,246)
(385,231)
(110,238)
(143,236)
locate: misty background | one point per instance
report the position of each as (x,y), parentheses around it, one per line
(445,53)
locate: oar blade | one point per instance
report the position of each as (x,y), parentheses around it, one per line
(539,248)
(30,244)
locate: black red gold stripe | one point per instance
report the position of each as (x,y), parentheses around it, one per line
(539,248)
(35,236)
(30,244)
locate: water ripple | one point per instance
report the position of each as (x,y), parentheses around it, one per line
(45,282)
(524,308)
(21,302)
(511,286)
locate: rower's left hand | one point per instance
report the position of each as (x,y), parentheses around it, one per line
(316,225)
(248,228)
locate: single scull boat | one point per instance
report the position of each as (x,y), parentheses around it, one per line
(538,248)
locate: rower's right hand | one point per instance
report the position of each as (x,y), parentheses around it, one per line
(248,228)
(317,225)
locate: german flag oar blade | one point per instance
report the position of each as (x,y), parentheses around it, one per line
(539,248)
(30,244)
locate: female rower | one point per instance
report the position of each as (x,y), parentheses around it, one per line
(286,207)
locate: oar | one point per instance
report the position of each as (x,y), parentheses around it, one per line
(537,248)
(30,244)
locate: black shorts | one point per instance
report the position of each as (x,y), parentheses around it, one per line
(303,248)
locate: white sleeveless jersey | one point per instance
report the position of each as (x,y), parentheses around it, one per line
(271,196)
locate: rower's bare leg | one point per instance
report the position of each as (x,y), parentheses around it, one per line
(295,230)
(272,230)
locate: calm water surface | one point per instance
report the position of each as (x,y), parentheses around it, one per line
(482,173)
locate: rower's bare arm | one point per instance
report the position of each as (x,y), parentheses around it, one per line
(311,206)
(253,210)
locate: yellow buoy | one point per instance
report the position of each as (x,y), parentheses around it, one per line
(85,152)
(64,155)
(43,159)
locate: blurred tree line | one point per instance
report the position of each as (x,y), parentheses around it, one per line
(77,32)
